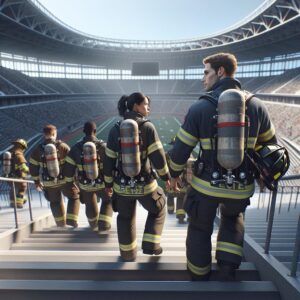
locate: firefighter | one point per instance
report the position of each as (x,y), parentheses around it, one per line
(89,165)
(204,197)
(132,144)
(183,187)
(48,159)
(18,168)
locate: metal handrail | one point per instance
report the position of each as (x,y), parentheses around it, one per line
(271,213)
(13,181)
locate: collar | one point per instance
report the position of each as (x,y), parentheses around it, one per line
(134,116)
(222,85)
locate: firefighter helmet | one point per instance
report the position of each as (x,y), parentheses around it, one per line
(21,142)
(272,162)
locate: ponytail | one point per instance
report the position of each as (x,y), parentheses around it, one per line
(122,105)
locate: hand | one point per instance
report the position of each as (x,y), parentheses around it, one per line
(175,184)
(39,187)
(109,192)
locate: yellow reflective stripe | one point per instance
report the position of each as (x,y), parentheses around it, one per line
(69,179)
(93,219)
(53,183)
(187,138)
(34,162)
(20,200)
(105,218)
(251,142)
(206,188)
(108,179)
(206,144)
(176,167)
(180,212)
(80,168)
(148,189)
(35,177)
(163,171)
(276,176)
(91,188)
(144,154)
(229,247)
(151,238)
(22,167)
(198,270)
(70,161)
(110,153)
(153,147)
(267,135)
(258,147)
(128,247)
(62,218)
(72,217)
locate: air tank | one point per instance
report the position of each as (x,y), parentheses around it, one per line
(6,163)
(231,129)
(90,164)
(51,160)
(130,150)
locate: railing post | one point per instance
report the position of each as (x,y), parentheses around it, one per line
(296,251)
(282,188)
(268,209)
(271,219)
(15,204)
(297,197)
(40,199)
(258,200)
(29,201)
(292,189)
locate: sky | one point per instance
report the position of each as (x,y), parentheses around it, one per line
(151,20)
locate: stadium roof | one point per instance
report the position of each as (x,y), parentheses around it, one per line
(27,28)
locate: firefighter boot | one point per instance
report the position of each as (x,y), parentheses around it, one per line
(226,272)
(153,252)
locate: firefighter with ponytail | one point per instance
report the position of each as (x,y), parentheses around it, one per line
(46,163)
(229,123)
(86,157)
(133,146)
(15,166)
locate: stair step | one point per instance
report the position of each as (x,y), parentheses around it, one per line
(138,271)
(125,290)
(86,256)
(85,246)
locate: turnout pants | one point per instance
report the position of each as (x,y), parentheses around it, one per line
(55,197)
(201,210)
(71,191)
(180,197)
(126,222)
(102,219)
(20,191)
